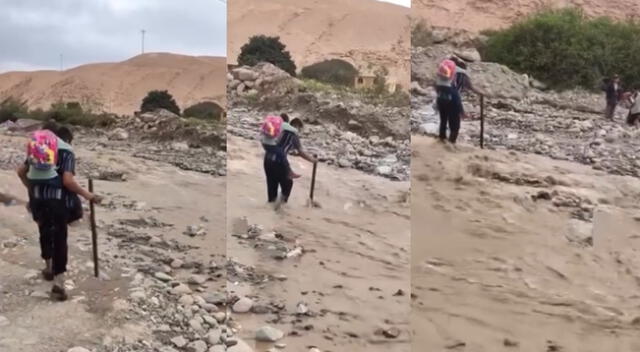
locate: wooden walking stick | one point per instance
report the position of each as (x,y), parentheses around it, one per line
(94,232)
(482,122)
(313,181)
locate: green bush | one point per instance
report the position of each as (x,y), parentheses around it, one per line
(159,99)
(72,113)
(421,35)
(64,113)
(12,109)
(261,48)
(565,48)
(207,110)
(334,71)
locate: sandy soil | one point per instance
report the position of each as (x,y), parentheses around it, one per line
(359,31)
(120,87)
(140,224)
(477,15)
(356,255)
(494,270)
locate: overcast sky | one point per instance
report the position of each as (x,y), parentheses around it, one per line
(405,3)
(33,33)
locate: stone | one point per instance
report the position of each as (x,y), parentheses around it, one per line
(197,346)
(119,134)
(181,290)
(391,333)
(179,341)
(245,74)
(241,346)
(220,316)
(180,146)
(197,279)
(215,298)
(213,336)
(177,263)
(302,308)
(210,320)
(196,324)
(78,349)
(384,170)
(268,334)
(186,300)
(138,295)
(469,55)
(163,277)
(195,230)
(243,305)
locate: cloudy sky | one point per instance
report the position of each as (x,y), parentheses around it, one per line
(33,33)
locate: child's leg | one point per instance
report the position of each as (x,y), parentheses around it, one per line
(56,226)
(39,210)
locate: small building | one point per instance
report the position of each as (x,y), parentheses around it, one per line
(365,81)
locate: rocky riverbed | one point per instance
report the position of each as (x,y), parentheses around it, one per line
(161,246)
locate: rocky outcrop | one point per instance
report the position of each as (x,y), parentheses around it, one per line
(265,79)
(495,80)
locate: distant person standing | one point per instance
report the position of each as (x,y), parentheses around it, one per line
(448,101)
(634,109)
(613,91)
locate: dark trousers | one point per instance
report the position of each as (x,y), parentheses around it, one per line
(610,110)
(632,120)
(51,216)
(448,116)
(277,175)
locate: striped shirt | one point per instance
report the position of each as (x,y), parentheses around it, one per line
(289,141)
(53,189)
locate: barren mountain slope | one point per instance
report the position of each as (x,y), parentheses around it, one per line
(120,87)
(476,15)
(360,31)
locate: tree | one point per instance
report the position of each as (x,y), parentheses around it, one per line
(261,48)
(159,99)
(207,110)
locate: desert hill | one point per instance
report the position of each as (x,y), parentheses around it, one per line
(119,87)
(477,15)
(363,32)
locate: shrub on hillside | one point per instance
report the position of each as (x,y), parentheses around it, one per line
(421,34)
(565,48)
(12,109)
(159,99)
(261,48)
(334,71)
(207,110)
(72,113)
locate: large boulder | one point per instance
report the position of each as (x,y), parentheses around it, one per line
(245,74)
(495,80)
(469,55)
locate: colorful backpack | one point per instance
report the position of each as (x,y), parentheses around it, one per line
(271,126)
(42,150)
(447,70)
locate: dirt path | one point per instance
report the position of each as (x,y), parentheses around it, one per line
(354,273)
(515,252)
(141,232)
